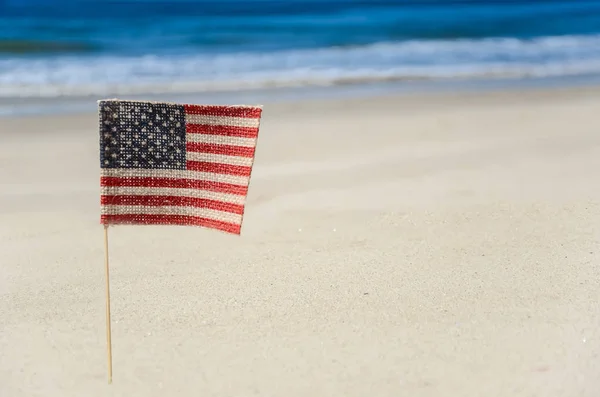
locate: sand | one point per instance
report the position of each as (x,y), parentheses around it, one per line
(426,245)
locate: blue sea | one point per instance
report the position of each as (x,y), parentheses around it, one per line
(99,48)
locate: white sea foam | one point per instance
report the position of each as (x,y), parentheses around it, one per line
(187,73)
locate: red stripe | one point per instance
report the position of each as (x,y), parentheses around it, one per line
(142,219)
(223,130)
(176,201)
(177,183)
(221,110)
(228,150)
(219,168)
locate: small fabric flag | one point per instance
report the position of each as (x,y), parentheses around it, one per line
(176,164)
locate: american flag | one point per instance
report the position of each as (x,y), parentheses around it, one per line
(176,164)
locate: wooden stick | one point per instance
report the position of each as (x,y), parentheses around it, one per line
(108,333)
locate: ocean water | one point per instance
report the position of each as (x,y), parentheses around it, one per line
(99,48)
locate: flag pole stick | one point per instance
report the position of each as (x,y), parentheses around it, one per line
(108,333)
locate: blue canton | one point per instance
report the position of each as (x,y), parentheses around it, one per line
(142,135)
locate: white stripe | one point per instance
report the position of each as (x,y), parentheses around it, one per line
(175,174)
(221,140)
(220,158)
(222,120)
(170,191)
(172,210)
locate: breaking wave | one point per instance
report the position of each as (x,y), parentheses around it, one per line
(99,75)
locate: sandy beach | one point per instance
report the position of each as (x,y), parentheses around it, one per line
(425,245)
